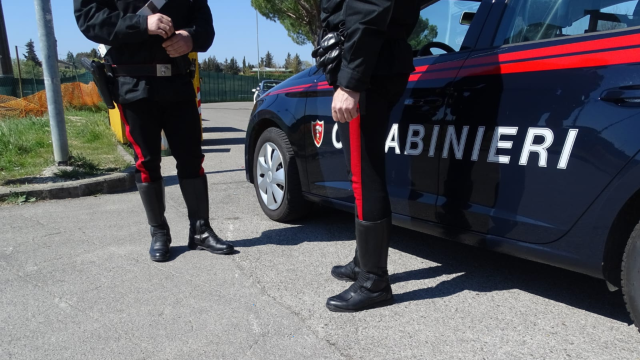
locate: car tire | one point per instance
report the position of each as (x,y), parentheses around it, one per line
(277,183)
(631,276)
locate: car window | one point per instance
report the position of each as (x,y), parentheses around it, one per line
(533,20)
(441,22)
(268,86)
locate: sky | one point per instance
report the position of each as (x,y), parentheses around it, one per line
(235,23)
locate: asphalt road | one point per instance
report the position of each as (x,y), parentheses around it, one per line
(76,283)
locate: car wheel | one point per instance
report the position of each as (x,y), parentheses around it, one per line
(631,276)
(276,178)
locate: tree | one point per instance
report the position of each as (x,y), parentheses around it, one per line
(423,33)
(296,64)
(288,62)
(31,53)
(301,18)
(306,65)
(268,60)
(28,68)
(70,58)
(232,67)
(244,64)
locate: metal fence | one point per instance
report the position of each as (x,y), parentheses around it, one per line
(11,86)
(214,87)
(220,87)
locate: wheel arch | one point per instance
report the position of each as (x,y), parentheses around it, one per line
(623,224)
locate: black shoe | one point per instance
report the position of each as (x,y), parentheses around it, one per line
(202,237)
(347,272)
(152,195)
(370,291)
(160,243)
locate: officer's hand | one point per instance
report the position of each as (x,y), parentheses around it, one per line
(159,24)
(178,45)
(345,105)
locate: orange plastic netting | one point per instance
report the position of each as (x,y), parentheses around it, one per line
(75,94)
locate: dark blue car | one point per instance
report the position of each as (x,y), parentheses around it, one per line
(519,132)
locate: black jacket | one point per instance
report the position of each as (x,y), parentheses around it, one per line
(115,23)
(377,39)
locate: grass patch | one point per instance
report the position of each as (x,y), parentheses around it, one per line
(18,199)
(26,149)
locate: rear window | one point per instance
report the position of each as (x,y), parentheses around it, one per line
(534,20)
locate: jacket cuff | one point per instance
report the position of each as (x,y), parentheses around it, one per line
(192,33)
(351,80)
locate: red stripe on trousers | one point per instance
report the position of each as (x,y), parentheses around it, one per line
(356,163)
(202,168)
(136,148)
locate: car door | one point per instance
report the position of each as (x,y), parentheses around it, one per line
(412,164)
(550,115)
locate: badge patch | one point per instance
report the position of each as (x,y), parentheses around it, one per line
(317,130)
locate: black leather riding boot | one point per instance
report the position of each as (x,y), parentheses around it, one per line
(372,288)
(201,235)
(347,272)
(152,195)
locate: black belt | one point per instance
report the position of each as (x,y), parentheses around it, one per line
(158,70)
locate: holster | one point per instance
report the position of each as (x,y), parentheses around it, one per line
(101,79)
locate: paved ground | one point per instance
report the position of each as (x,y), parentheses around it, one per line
(75,282)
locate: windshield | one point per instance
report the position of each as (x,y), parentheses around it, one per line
(441,22)
(269,85)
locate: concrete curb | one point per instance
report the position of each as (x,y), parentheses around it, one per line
(107,184)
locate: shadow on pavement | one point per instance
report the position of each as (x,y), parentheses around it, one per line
(223,142)
(475,269)
(223,129)
(172,180)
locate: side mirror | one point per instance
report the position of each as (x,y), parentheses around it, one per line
(253,90)
(467,17)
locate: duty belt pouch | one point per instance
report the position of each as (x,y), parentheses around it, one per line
(329,52)
(102,80)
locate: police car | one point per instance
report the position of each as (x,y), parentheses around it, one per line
(519,131)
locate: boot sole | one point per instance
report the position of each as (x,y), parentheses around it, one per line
(379,304)
(161,259)
(224,252)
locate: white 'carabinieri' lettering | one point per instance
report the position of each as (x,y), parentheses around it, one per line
(568,147)
(541,149)
(497,144)
(415,139)
(392,140)
(458,147)
(337,144)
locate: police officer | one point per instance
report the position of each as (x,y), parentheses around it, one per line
(376,62)
(148,57)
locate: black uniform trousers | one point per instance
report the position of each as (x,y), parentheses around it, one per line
(363,140)
(146,118)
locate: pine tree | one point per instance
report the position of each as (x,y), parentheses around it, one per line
(70,58)
(31,53)
(288,62)
(233,67)
(268,60)
(244,64)
(296,64)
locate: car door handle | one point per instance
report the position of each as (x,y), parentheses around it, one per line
(429,102)
(623,96)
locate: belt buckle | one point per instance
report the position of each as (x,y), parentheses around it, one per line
(163,70)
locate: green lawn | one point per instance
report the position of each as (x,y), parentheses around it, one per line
(26,149)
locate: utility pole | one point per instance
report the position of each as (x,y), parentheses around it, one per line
(19,73)
(6,69)
(48,46)
(258,40)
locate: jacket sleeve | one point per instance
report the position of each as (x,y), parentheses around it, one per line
(101,21)
(366,23)
(201,30)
